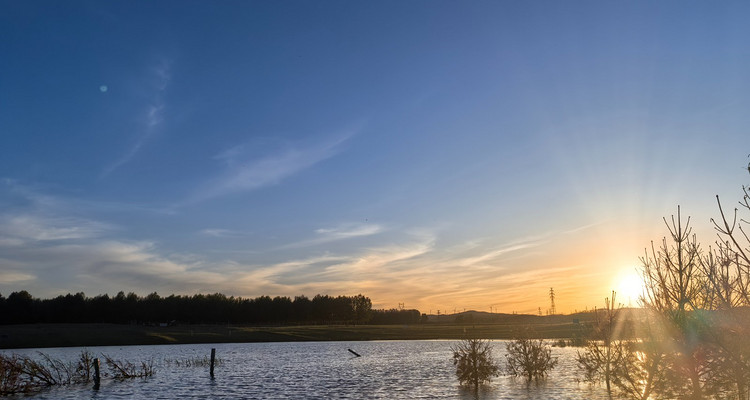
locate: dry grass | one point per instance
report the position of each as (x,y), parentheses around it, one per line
(24,374)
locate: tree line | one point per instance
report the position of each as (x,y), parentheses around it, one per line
(22,308)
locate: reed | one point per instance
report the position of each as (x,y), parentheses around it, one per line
(194,362)
(122,369)
(24,374)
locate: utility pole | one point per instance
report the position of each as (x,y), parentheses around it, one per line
(552,310)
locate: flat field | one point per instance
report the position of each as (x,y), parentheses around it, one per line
(80,335)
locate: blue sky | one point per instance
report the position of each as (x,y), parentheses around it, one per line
(441,154)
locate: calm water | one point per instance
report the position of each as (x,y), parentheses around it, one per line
(315,370)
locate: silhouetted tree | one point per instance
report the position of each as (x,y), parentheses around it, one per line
(301,309)
(603,351)
(362,308)
(474,362)
(529,357)
(214,308)
(20,307)
(641,370)
(675,291)
(3,310)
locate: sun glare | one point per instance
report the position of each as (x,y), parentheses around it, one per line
(629,287)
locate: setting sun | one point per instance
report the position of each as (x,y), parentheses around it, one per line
(629,287)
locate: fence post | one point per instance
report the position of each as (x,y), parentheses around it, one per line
(96,374)
(213,358)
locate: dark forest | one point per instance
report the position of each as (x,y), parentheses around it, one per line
(22,308)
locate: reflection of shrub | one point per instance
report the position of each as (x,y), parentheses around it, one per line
(473,361)
(529,357)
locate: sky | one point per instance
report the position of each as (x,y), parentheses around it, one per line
(441,154)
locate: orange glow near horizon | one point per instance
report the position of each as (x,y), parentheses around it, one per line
(583,270)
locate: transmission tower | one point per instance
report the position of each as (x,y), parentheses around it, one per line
(552,309)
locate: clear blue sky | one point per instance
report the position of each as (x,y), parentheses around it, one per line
(441,154)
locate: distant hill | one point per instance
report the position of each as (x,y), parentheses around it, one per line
(472,316)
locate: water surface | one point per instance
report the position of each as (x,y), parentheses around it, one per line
(315,370)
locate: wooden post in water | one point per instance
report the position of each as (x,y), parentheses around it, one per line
(96,374)
(213,358)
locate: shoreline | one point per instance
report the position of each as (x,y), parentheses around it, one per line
(38,336)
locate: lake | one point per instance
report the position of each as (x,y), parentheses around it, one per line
(314,370)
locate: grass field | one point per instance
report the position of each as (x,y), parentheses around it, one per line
(80,335)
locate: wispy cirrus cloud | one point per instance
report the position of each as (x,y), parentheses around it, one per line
(494,254)
(50,228)
(245,172)
(337,233)
(346,231)
(222,233)
(152,117)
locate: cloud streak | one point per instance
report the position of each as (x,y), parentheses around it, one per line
(244,173)
(338,233)
(153,117)
(221,233)
(38,228)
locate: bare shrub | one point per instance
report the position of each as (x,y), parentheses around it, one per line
(528,357)
(11,377)
(121,369)
(23,374)
(603,351)
(473,361)
(641,371)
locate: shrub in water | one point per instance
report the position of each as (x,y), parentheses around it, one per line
(473,361)
(529,357)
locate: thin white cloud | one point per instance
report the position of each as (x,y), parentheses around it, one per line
(15,229)
(11,277)
(243,175)
(348,230)
(341,232)
(153,117)
(231,155)
(496,253)
(221,233)
(272,273)
(584,227)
